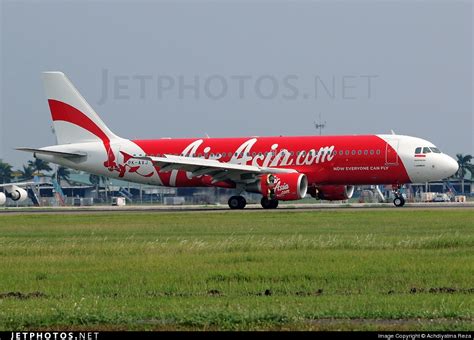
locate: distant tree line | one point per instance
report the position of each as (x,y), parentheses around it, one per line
(36,167)
(465,167)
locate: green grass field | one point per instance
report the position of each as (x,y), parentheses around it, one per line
(391,269)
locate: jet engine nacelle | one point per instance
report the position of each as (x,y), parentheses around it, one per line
(334,192)
(17,194)
(283,187)
(3,198)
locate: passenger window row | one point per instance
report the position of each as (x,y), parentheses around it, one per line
(292,153)
(359,152)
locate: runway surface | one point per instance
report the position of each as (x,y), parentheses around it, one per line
(224,208)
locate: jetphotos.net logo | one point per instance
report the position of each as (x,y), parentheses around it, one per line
(53,336)
(160,86)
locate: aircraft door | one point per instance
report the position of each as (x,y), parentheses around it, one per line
(391,151)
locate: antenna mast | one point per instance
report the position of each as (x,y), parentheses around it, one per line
(320,125)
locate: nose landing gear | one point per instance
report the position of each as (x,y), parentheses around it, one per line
(399,200)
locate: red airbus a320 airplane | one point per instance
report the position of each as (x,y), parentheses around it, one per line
(278,168)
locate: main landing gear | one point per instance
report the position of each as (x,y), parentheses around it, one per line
(237,202)
(398,201)
(268,203)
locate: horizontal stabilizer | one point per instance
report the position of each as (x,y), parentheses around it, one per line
(54,153)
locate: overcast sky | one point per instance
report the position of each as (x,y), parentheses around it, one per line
(187,69)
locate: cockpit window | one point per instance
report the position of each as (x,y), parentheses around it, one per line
(418,150)
(426,150)
(435,150)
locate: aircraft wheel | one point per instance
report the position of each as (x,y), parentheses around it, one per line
(399,201)
(268,204)
(242,202)
(265,202)
(237,202)
(274,204)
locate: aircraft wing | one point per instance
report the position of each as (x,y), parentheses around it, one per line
(19,184)
(219,171)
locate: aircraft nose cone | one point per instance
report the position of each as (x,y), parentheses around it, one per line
(451,166)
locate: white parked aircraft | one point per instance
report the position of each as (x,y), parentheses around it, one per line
(14,191)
